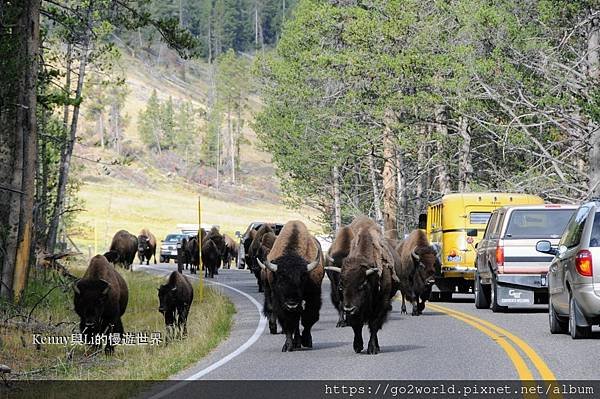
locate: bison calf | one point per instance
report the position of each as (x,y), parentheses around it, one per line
(175,299)
(100,300)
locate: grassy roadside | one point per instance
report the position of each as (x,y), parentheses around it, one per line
(111,205)
(209,323)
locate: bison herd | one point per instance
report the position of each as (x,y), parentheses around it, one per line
(366,270)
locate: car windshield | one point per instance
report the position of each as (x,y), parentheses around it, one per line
(595,237)
(538,223)
(173,237)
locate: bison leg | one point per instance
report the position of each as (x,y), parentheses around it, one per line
(415,307)
(297,339)
(373,347)
(310,316)
(268,310)
(341,320)
(358,343)
(403,308)
(288,346)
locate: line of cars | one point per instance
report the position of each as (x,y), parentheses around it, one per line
(514,251)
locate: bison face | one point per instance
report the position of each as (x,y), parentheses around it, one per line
(425,260)
(167,297)
(358,283)
(290,273)
(143,244)
(90,300)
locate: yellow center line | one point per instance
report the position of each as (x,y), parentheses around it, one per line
(537,361)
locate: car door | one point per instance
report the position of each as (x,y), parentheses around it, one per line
(565,259)
(482,247)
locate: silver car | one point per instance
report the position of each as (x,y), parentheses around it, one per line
(574,274)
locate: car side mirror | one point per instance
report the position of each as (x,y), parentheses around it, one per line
(472,233)
(545,247)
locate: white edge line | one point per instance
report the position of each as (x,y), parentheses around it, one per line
(241,349)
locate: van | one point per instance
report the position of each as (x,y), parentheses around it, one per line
(510,272)
(455,223)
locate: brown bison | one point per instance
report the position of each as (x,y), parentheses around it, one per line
(175,298)
(340,248)
(100,300)
(231,251)
(124,245)
(416,270)
(293,283)
(192,254)
(367,282)
(211,258)
(146,246)
(253,253)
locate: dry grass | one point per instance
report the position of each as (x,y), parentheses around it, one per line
(209,323)
(112,205)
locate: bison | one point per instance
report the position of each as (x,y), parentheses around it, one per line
(231,251)
(175,298)
(294,273)
(416,270)
(100,300)
(146,246)
(124,245)
(253,253)
(337,252)
(367,282)
(211,257)
(192,252)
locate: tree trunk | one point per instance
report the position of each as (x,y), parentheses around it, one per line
(101,126)
(337,204)
(401,194)
(65,162)
(594,73)
(465,169)
(374,184)
(442,133)
(421,178)
(18,249)
(389,180)
(231,143)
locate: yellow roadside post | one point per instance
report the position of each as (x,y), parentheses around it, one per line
(95,236)
(200,278)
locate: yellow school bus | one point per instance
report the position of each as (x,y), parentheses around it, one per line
(456,223)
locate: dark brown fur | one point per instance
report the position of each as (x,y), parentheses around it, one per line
(146,246)
(125,245)
(100,299)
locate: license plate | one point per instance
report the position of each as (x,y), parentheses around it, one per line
(514,297)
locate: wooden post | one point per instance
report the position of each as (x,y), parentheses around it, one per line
(95,236)
(200,277)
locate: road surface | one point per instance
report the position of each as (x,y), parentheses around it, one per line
(451,340)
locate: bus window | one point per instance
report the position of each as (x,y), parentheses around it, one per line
(479,217)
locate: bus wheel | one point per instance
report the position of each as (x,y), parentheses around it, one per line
(446,296)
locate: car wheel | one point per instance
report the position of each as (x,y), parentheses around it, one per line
(576,331)
(494,298)
(162,259)
(557,326)
(482,294)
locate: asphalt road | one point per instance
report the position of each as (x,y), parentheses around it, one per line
(451,340)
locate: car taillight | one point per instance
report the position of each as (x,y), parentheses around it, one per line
(500,256)
(583,263)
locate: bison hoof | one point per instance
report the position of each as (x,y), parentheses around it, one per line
(358,347)
(306,339)
(373,349)
(403,310)
(341,323)
(272,327)
(288,346)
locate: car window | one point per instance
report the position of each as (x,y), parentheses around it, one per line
(572,235)
(173,237)
(479,217)
(498,226)
(595,237)
(490,226)
(537,223)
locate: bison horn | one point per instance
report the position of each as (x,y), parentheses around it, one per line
(414,255)
(174,289)
(374,270)
(317,260)
(330,259)
(271,266)
(76,288)
(334,269)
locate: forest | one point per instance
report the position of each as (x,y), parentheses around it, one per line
(371,107)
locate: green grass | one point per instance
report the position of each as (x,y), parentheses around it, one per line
(111,205)
(209,323)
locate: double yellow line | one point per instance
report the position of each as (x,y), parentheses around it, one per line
(507,341)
